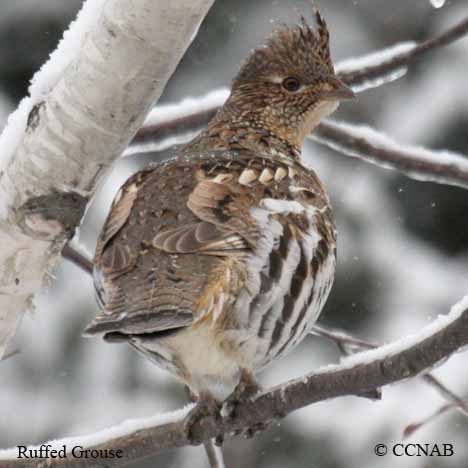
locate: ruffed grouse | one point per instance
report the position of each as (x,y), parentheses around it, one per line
(217,262)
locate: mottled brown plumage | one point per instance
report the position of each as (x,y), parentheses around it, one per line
(217,262)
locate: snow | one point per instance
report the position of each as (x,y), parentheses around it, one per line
(398,346)
(47,77)
(160,145)
(106,435)
(437,3)
(187,106)
(374,59)
(416,153)
(366,357)
(170,112)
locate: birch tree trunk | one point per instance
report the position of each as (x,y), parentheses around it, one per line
(72,134)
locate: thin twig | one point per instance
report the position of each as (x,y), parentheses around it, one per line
(77,259)
(441,167)
(413,427)
(446,393)
(342,339)
(214,454)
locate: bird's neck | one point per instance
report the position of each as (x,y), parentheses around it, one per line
(231,130)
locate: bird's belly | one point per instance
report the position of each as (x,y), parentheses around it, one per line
(199,356)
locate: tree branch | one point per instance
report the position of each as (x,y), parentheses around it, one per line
(358,374)
(348,345)
(380,70)
(372,146)
(61,141)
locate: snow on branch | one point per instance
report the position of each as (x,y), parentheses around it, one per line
(395,59)
(85,105)
(100,438)
(358,374)
(375,69)
(443,167)
(164,122)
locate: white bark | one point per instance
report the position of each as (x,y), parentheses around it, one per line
(75,131)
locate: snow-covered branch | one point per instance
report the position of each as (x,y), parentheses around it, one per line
(356,74)
(358,374)
(443,167)
(85,105)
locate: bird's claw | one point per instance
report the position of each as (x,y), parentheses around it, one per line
(246,389)
(206,407)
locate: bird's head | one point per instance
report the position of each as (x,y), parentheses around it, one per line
(289,84)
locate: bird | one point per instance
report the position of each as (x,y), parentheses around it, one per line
(218,262)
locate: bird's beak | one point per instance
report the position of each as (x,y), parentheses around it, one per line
(339,92)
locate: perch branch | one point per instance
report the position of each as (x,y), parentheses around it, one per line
(348,344)
(359,374)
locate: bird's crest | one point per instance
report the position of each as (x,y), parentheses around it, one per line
(300,49)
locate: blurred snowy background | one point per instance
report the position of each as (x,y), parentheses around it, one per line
(403,249)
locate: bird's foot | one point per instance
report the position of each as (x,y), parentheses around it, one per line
(207,406)
(245,389)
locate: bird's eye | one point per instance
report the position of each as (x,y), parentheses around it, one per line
(291,83)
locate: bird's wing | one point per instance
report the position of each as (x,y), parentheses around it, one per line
(168,233)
